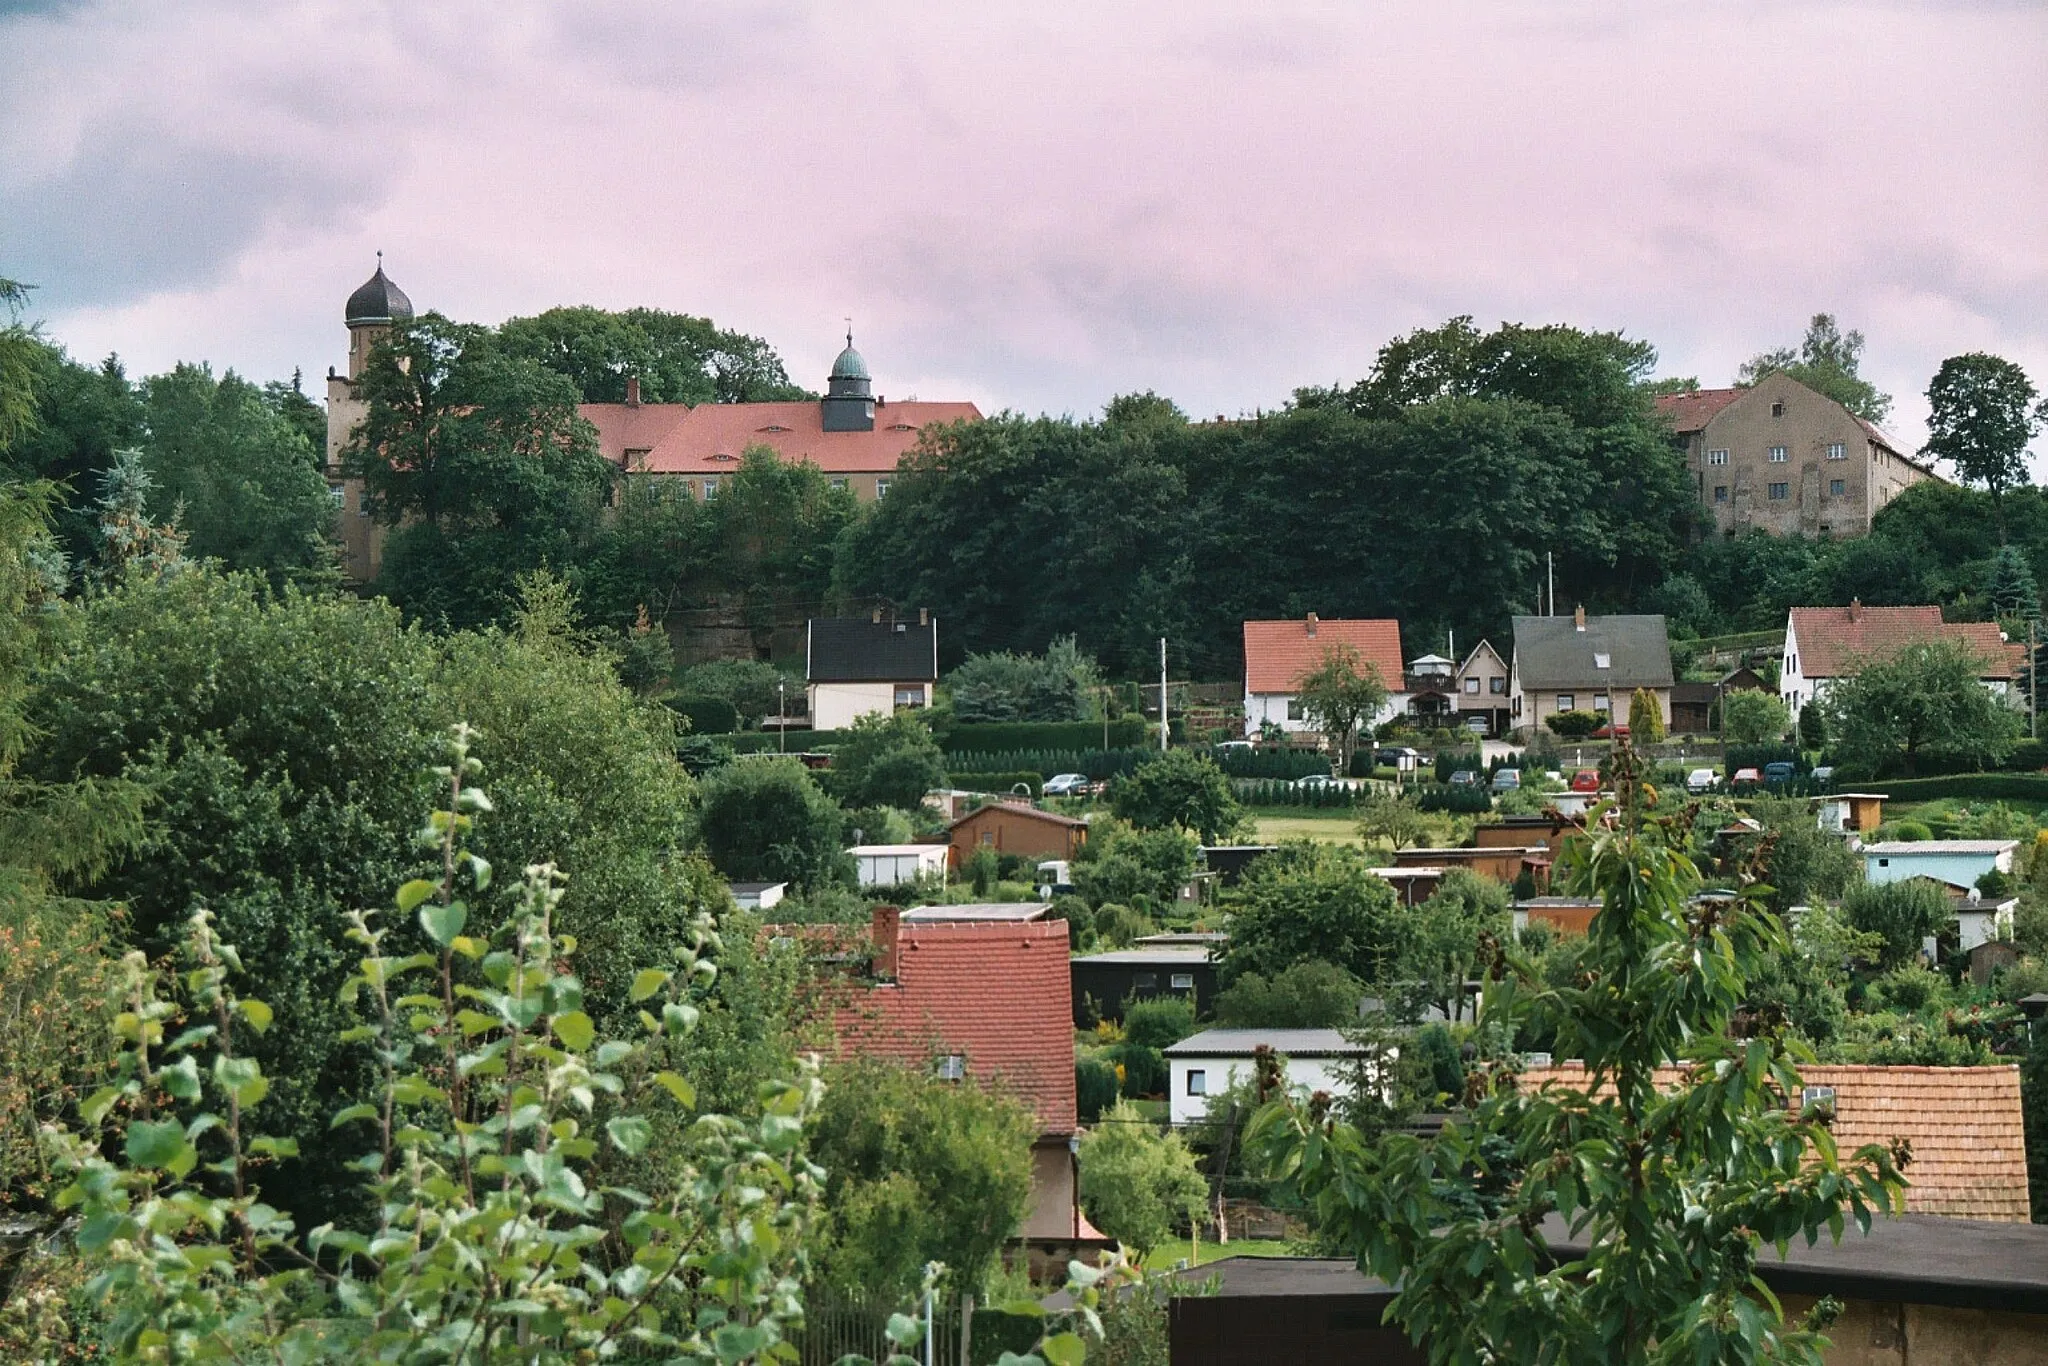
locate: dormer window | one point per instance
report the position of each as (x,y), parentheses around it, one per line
(772,427)
(723,455)
(1602,660)
(901,427)
(951,1067)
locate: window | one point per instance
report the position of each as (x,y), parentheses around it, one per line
(1145,981)
(1884,863)
(1472,685)
(1717,457)
(1183,981)
(910,696)
(1837,487)
(710,489)
(1564,701)
(839,485)
(1837,451)
(339,494)
(952,1067)
(1600,702)
(1602,660)
(988,837)
(1198,1081)
(1780,491)
(1497,686)
(1720,493)
(881,488)
(1294,709)
(1777,410)
(1779,455)
(1820,1099)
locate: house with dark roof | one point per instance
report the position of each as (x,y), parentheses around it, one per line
(1278,653)
(855,666)
(1823,644)
(1582,663)
(1780,457)
(1211,1062)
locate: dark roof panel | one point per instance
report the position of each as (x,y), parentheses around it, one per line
(853,650)
(1552,652)
(377,300)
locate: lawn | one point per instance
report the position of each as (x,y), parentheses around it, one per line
(1168,1254)
(1336,827)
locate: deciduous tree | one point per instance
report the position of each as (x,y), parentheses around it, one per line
(1750,717)
(1826,360)
(1981,416)
(1925,702)
(1341,693)
(1138,1185)
(1181,789)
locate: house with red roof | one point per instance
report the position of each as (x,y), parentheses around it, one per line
(1782,458)
(983,995)
(1823,644)
(1278,653)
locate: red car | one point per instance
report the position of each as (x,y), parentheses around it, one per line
(1586,780)
(1612,732)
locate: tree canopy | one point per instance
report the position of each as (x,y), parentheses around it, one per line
(1981,416)
(1826,360)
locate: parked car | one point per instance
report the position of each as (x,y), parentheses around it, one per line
(1066,785)
(1778,774)
(1745,779)
(1823,774)
(1476,724)
(1507,779)
(1395,756)
(1464,777)
(1316,780)
(1244,745)
(1701,780)
(1612,732)
(1586,780)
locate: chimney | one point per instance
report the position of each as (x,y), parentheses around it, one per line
(1579,617)
(924,617)
(1312,624)
(1855,609)
(632,391)
(882,929)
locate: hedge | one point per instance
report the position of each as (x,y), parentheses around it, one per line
(2031,788)
(1469,799)
(706,715)
(983,737)
(1099,764)
(1001,783)
(1277,763)
(1272,792)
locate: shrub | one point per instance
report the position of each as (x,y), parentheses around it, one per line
(1465,800)
(1904,913)
(1095,1086)
(1145,1072)
(1124,733)
(767,820)
(1308,995)
(1159,1023)
(1137,1184)
(706,715)
(1574,725)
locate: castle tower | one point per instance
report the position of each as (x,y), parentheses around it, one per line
(371,311)
(369,316)
(849,402)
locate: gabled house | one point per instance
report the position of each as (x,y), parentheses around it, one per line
(1211,1062)
(1823,644)
(1278,653)
(1013,828)
(1482,683)
(1582,663)
(856,667)
(1955,864)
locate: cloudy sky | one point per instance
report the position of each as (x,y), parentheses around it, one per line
(1039,206)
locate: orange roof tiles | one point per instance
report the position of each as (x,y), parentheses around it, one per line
(1278,653)
(711,437)
(1000,993)
(1694,409)
(1832,639)
(1964,1125)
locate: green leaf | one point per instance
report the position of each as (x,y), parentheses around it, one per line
(414,892)
(630,1133)
(181,1078)
(575,1030)
(155,1143)
(351,1114)
(648,981)
(443,923)
(1063,1349)
(903,1330)
(678,1086)
(256,1013)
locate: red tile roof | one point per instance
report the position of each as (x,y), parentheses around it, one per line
(1694,409)
(1964,1124)
(999,993)
(711,437)
(1278,653)
(1833,639)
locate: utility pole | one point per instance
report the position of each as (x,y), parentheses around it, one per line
(1550,563)
(1162,692)
(2033,685)
(781,716)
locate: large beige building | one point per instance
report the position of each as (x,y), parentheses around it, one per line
(854,436)
(1784,459)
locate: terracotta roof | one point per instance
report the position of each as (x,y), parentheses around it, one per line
(1000,994)
(1833,639)
(1278,653)
(711,437)
(1018,809)
(1969,1144)
(1694,409)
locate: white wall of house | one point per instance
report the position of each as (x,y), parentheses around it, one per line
(1793,685)
(897,865)
(1217,1075)
(1891,863)
(1261,707)
(1976,927)
(835,706)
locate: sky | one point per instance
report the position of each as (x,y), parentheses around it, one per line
(1040,206)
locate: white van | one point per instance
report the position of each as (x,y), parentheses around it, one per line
(1700,780)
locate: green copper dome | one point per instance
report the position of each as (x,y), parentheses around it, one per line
(851,364)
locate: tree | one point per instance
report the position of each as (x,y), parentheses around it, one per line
(1925,702)
(1813,727)
(917,1170)
(756,688)
(676,357)
(1905,914)
(1751,717)
(1310,994)
(887,761)
(1981,416)
(1337,696)
(2012,592)
(1062,685)
(1308,901)
(1684,1159)
(1180,788)
(130,540)
(1137,1184)
(20,357)
(1826,361)
(1393,817)
(1645,718)
(1804,865)
(767,820)
(1120,865)
(1441,943)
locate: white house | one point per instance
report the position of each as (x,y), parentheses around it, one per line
(1211,1062)
(1953,863)
(1823,644)
(1979,921)
(855,668)
(897,865)
(1278,653)
(758,896)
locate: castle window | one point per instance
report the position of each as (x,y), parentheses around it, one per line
(1838,487)
(1779,455)
(1720,493)
(1717,457)
(1781,491)
(1838,451)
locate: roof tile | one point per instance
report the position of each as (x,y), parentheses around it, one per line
(1278,653)
(1832,639)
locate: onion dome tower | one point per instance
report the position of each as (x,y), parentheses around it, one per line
(371,311)
(849,402)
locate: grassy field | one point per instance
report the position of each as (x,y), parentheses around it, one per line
(1332,827)
(1168,1254)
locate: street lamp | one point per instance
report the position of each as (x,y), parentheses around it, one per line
(781,716)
